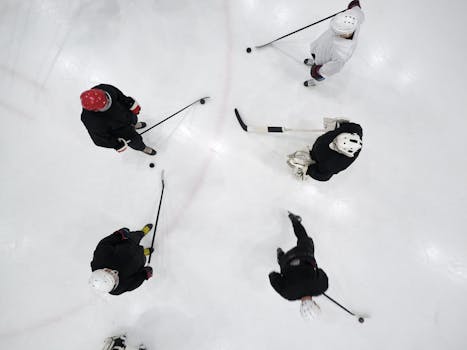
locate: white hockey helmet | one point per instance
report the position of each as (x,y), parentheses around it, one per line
(309,309)
(344,24)
(347,143)
(104,280)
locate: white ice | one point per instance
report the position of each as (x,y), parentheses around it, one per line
(390,231)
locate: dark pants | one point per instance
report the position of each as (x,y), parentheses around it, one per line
(302,238)
(303,253)
(137,143)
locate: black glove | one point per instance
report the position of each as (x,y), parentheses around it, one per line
(148,271)
(353,3)
(123,233)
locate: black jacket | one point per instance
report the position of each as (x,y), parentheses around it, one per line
(329,162)
(298,281)
(125,256)
(117,122)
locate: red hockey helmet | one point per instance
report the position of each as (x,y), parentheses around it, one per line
(94,99)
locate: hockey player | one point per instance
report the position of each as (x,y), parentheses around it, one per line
(112,119)
(119,343)
(335,46)
(300,278)
(118,262)
(332,152)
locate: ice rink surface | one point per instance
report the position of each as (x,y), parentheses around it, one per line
(390,231)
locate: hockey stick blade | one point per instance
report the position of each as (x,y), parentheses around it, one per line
(269,129)
(264,129)
(240,120)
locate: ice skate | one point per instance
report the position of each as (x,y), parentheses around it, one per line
(140,125)
(311,82)
(299,170)
(146,228)
(299,166)
(299,162)
(293,217)
(142,347)
(149,150)
(301,155)
(115,343)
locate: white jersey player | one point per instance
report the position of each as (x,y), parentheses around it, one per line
(335,46)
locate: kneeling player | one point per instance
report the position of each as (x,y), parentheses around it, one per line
(332,152)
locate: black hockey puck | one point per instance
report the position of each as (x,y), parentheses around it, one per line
(248,49)
(151,165)
(361,319)
(202,101)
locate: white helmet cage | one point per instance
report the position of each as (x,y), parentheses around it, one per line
(348,143)
(104,280)
(344,24)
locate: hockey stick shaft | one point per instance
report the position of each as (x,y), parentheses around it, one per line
(278,129)
(342,307)
(173,115)
(157,217)
(298,30)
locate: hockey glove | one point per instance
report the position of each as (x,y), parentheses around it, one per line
(136,108)
(148,271)
(148,251)
(123,233)
(122,145)
(353,4)
(331,124)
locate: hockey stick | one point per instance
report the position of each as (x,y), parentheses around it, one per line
(361,319)
(268,129)
(298,30)
(157,217)
(201,100)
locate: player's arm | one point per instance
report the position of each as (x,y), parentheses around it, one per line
(128,101)
(315,173)
(328,69)
(134,281)
(350,128)
(108,141)
(115,238)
